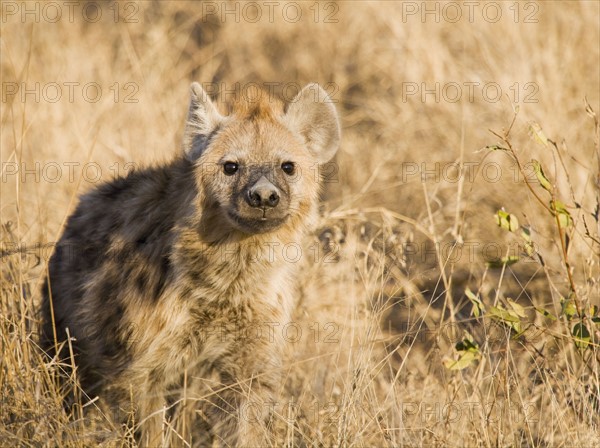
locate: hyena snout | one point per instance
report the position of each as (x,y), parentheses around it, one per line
(263,194)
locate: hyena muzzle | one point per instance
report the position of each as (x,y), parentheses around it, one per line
(162,277)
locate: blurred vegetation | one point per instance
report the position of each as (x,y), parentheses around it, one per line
(458,270)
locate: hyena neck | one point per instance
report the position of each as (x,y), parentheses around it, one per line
(228,268)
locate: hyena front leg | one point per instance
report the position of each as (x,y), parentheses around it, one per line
(239,412)
(152,417)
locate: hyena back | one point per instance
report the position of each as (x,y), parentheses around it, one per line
(158,273)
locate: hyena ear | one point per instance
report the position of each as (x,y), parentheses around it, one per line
(312,114)
(203,118)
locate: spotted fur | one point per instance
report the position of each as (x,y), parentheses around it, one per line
(162,276)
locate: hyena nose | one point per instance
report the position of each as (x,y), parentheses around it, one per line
(263,194)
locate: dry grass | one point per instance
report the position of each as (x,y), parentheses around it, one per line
(389,302)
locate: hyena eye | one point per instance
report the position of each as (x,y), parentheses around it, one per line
(230,168)
(288,167)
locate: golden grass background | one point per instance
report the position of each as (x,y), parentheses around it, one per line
(394,297)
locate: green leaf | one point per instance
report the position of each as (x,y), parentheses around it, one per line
(468,352)
(468,344)
(465,360)
(507,317)
(478,307)
(541,177)
(518,309)
(582,335)
(535,130)
(501,314)
(545,313)
(568,308)
(528,246)
(526,234)
(564,217)
(507,221)
(504,261)
(496,148)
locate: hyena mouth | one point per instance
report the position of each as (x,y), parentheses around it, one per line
(259,224)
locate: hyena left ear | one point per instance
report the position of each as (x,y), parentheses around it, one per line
(203,118)
(312,114)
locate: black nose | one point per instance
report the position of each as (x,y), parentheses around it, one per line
(263,194)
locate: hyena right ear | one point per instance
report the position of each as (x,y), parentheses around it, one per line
(203,118)
(312,115)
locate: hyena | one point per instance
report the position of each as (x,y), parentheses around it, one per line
(159,274)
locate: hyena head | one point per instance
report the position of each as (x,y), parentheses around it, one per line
(258,166)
